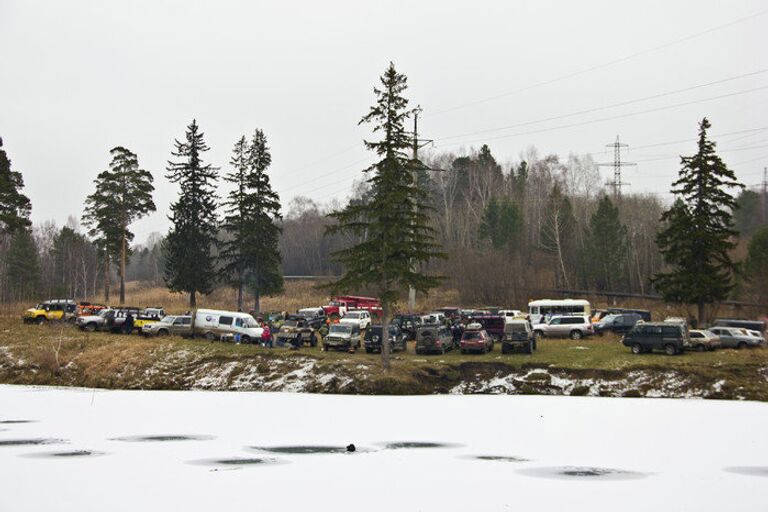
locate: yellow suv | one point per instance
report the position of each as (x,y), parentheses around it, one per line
(54,309)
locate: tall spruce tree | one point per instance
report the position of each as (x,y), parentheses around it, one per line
(606,247)
(14,206)
(250,254)
(393,225)
(190,263)
(22,267)
(123,195)
(699,232)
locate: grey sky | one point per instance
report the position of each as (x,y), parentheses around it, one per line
(81,77)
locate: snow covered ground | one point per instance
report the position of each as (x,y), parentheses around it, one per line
(502,452)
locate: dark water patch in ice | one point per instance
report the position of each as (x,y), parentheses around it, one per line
(29,442)
(748,470)
(238,462)
(495,458)
(308,449)
(15,422)
(71,454)
(583,473)
(408,445)
(162,438)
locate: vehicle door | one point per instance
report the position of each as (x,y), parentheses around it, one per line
(225,325)
(671,335)
(652,336)
(181,325)
(726,338)
(555,327)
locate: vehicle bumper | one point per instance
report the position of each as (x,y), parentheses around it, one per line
(472,346)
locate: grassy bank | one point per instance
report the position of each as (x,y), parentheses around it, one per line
(63,355)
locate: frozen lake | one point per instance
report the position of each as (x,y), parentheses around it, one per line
(77,449)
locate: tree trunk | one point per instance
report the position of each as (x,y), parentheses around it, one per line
(123,250)
(106,277)
(385,334)
(702,321)
(240,293)
(256,294)
(192,299)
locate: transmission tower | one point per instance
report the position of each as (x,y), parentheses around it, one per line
(617,164)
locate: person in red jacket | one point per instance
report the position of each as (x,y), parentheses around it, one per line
(266,335)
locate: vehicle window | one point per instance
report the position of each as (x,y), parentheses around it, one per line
(555,321)
(186,321)
(225,320)
(654,329)
(471,335)
(239,322)
(671,331)
(696,335)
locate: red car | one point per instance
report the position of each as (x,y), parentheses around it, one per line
(475,339)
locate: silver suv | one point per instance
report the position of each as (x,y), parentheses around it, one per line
(571,326)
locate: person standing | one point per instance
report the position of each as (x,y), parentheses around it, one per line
(128,324)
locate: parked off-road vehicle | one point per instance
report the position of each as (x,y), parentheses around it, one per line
(179,325)
(398,340)
(518,335)
(646,337)
(493,325)
(342,337)
(297,331)
(51,310)
(475,339)
(575,327)
(409,324)
(618,323)
(702,340)
(433,339)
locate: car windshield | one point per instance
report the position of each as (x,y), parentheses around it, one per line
(609,318)
(515,328)
(341,329)
(104,312)
(290,323)
(471,335)
(168,319)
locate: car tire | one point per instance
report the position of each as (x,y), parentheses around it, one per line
(40,320)
(700,348)
(210,337)
(504,350)
(163,332)
(90,327)
(741,346)
(529,348)
(637,349)
(463,351)
(576,335)
(670,349)
(539,334)
(245,339)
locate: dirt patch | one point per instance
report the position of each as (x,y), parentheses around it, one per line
(29,442)
(582,473)
(162,438)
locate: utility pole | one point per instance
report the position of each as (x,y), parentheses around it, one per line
(764,197)
(417,143)
(617,164)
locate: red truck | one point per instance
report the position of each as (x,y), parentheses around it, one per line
(338,306)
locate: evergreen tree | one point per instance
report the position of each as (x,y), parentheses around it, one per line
(123,195)
(606,247)
(698,235)
(501,223)
(22,267)
(393,226)
(756,264)
(190,264)
(14,206)
(250,254)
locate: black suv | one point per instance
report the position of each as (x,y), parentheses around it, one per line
(397,339)
(431,339)
(409,324)
(645,337)
(617,322)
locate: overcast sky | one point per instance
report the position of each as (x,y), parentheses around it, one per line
(78,78)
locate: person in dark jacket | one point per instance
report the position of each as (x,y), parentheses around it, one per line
(128,324)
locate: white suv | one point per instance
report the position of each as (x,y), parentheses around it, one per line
(361,319)
(574,327)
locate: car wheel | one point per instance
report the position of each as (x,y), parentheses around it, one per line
(529,348)
(40,320)
(539,334)
(670,349)
(700,348)
(368,350)
(210,336)
(637,349)
(163,332)
(742,345)
(245,339)
(90,327)
(504,349)
(576,335)
(463,351)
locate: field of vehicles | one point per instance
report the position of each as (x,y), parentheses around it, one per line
(349,323)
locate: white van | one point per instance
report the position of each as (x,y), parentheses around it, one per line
(213,324)
(541,310)
(511,315)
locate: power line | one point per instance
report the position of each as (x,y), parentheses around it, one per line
(609,118)
(606,107)
(603,65)
(617,164)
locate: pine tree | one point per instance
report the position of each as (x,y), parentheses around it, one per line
(756,264)
(190,263)
(123,195)
(250,253)
(606,247)
(698,235)
(501,223)
(14,206)
(393,225)
(22,267)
